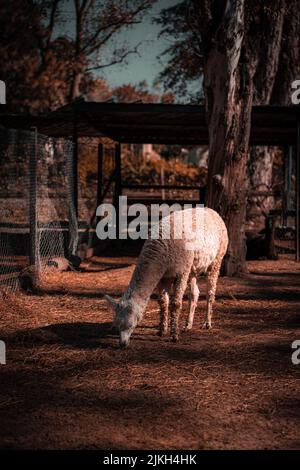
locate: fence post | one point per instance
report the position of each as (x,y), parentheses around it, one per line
(73,194)
(75,172)
(33,230)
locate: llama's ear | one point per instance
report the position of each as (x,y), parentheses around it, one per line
(111,301)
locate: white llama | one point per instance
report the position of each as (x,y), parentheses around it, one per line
(171,263)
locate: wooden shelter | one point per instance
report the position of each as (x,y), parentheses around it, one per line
(157,123)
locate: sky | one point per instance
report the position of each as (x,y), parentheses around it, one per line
(146,65)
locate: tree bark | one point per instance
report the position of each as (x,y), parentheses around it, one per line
(75,86)
(260,181)
(267,66)
(271,85)
(289,59)
(241,65)
(229,91)
(77,65)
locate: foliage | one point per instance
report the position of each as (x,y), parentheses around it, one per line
(36,78)
(148,172)
(185,53)
(189,27)
(135,170)
(46,65)
(134,93)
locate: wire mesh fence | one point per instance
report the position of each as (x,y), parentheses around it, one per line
(39,229)
(271,203)
(37,214)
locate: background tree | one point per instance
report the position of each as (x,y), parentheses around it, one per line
(278,66)
(140,93)
(183,58)
(46,65)
(240,49)
(33,65)
(97,22)
(99,90)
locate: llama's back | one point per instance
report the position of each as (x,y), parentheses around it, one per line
(192,237)
(173,253)
(212,240)
(199,228)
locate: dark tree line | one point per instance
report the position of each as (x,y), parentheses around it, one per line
(49,55)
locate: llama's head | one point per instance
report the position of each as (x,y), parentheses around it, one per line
(125,319)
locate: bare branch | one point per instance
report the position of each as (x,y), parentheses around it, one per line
(117,60)
(52,21)
(126,19)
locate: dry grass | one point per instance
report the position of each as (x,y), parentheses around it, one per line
(67,385)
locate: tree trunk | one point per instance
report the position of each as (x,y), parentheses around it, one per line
(77,64)
(242,62)
(261,158)
(260,181)
(267,66)
(75,86)
(228,106)
(289,59)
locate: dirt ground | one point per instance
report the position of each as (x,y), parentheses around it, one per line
(67,385)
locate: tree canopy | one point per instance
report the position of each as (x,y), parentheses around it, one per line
(46,64)
(190,26)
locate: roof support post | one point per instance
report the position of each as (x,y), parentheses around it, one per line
(99,174)
(118,184)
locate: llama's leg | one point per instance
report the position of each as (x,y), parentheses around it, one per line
(211,286)
(164,290)
(163,298)
(194,295)
(176,304)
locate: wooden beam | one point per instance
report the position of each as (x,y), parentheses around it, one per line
(100,174)
(118,183)
(103,196)
(160,186)
(118,174)
(155,123)
(159,200)
(202,194)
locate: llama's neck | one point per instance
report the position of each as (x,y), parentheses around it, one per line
(145,278)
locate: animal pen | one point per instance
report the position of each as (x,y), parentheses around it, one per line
(39,173)
(66,382)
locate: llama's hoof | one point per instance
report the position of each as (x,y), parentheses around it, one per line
(175,338)
(207,326)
